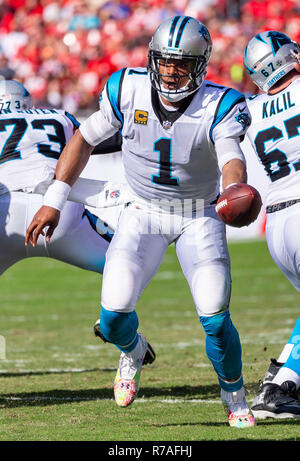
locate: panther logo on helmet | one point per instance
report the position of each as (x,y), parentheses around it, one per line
(268,57)
(277,40)
(204,32)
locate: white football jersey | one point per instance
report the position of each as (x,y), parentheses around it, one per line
(169,154)
(274,136)
(31,141)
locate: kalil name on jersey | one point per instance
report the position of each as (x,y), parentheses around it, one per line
(274,107)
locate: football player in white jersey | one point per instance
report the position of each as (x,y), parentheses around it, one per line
(31,141)
(271,60)
(180,133)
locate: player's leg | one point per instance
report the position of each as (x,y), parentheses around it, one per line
(16,211)
(75,240)
(290,358)
(277,395)
(290,355)
(133,258)
(13,210)
(283,240)
(203,255)
(79,239)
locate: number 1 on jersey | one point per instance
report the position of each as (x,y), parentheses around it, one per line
(164,147)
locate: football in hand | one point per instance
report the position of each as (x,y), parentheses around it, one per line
(239,205)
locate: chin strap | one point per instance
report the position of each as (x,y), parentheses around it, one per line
(175,97)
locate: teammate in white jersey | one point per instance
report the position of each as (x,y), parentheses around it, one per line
(271,59)
(180,133)
(31,141)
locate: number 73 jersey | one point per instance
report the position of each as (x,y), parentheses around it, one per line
(31,142)
(274,136)
(169,155)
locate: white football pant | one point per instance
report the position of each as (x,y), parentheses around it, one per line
(74,241)
(138,247)
(283,239)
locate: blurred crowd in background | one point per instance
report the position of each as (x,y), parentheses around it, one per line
(63,51)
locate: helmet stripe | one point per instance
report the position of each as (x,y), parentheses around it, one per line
(181,29)
(250,71)
(172,29)
(259,37)
(23,88)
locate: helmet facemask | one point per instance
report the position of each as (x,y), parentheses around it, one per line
(182,83)
(184,43)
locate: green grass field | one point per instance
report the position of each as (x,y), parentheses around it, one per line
(56,382)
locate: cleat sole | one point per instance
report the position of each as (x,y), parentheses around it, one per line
(263,414)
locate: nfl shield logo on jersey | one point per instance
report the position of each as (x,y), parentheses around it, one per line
(167,124)
(115,194)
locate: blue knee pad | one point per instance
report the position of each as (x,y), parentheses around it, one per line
(224,350)
(293,361)
(120,328)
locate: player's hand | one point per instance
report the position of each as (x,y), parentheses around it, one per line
(46,216)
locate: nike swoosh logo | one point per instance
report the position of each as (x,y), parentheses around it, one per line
(242,110)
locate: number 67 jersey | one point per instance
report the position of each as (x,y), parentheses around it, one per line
(169,154)
(274,136)
(31,142)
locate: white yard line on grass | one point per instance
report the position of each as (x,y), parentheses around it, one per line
(79,399)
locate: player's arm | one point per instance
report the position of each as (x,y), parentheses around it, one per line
(110,145)
(70,164)
(233,172)
(230,123)
(231,160)
(73,159)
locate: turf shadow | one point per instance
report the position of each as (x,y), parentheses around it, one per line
(15,374)
(66,396)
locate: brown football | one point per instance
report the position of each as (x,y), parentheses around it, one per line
(239,205)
